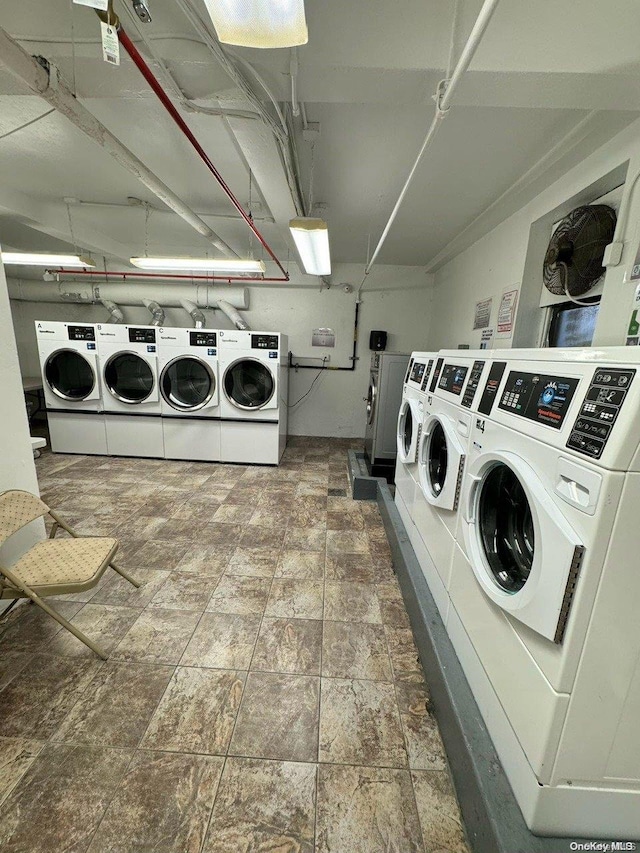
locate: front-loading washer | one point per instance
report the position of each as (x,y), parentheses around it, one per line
(190,394)
(254,380)
(71,383)
(544,603)
(128,358)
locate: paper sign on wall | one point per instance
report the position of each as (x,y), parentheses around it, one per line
(486,339)
(482,314)
(323,338)
(507,313)
(102,5)
(635,270)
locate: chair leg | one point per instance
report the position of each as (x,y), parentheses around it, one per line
(127,577)
(10,607)
(59,618)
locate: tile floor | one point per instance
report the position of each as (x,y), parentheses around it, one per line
(263,691)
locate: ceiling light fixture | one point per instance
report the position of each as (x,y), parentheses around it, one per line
(259,23)
(312,241)
(33,259)
(231,265)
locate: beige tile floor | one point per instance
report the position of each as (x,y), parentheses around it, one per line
(263,691)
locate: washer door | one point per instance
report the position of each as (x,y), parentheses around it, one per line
(130,378)
(409,426)
(524,553)
(71,376)
(372,396)
(188,383)
(441,459)
(249,385)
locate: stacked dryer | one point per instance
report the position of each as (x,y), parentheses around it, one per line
(545,587)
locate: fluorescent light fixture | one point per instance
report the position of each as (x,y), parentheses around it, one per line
(312,240)
(259,23)
(33,259)
(231,265)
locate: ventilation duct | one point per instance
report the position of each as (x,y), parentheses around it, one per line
(234,315)
(197,316)
(115,313)
(156,311)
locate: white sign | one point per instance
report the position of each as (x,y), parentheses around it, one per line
(636,298)
(323,338)
(102,5)
(507,313)
(110,44)
(482,314)
(486,339)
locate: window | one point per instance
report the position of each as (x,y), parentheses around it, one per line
(573,325)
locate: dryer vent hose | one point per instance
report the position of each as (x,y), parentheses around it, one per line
(234,315)
(115,313)
(156,311)
(199,320)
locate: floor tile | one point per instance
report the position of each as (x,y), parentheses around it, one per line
(11,664)
(404,655)
(289,645)
(351,520)
(352,650)
(179,530)
(352,602)
(271,516)
(17,754)
(156,554)
(257,536)
(144,527)
(197,712)
(442,827)
(37,700)
(157,636)
(120,593)
(347,542)
(184,592)
(294,599)
(422,736)
(206,562)
(28,628)
(239,595)
(366,810)
(392,606)
(360,724)
(305,539)
(301,565)
(115,708)
(264,806)
(258,562)
(278,718)
(60,801)
(102,623)
(357,568)
(162,804)
(223,641)
(221,533)
(233,513)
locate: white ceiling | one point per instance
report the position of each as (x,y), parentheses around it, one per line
(367,76)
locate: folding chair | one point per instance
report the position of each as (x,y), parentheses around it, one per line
(54,566)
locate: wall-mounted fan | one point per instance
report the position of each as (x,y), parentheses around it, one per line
(573,262)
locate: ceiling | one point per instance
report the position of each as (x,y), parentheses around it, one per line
(366,78)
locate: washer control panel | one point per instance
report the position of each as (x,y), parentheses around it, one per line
(538,397)
(427,373)
(417,372)
(491,388)
(203,339)
(472,384)
(600,409)
(141,336)
(81,333)
(264,342)
(452,378)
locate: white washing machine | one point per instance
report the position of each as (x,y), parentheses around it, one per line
(384,398)
(71,381)
(409,425)
(128,358)
(544,614)
(254,385)
(190,394)
(442,453)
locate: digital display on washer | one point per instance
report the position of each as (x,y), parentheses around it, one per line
(417,372)
(203,339)
(538,397)
(427,373)
(600,409)
(264,342)
(452,378)
(81,333)
(472,384)
(491,388)
(142,336)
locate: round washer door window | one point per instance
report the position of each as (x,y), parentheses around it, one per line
(371,399)
(506,528)
(187,383)
(437,459)
(407,432)
(249,384)
(69,375)
(129,377)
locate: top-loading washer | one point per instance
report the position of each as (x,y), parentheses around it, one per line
(128,358)
(544,607)
(383,400)
(190,394)
(254,382)
(71,383)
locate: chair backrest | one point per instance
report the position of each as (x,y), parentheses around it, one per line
(17,509)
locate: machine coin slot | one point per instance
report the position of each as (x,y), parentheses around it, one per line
(472,384)
(491,388)
(427,373)
(436,375)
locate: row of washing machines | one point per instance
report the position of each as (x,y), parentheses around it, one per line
(518,481)
(193,394)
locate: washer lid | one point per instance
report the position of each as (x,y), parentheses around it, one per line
(249,384)
(441,460)
(71,375)
(188,383)
(130,378)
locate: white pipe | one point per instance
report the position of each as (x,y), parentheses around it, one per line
(453,42)
(444,95)
(199,321)
(156,310)
(235,317)
(293,72)
(46,83)
(116,315)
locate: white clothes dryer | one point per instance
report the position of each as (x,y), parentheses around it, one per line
(544,603)
(128,358)
(254,380)
(190,394)
(71,382)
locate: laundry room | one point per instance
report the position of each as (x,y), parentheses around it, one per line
(319,444)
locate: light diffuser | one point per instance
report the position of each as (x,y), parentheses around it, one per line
(232,265)
(34,259)
(312,241)
(259,23)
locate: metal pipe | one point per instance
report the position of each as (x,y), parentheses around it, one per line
(116,315)
(444,95)
(166,102)
(234,315)
(293,73)
(43,79)
(164,276)
(199,320)
(156,310)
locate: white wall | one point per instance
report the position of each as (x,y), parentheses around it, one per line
(396,299)
(17,469)
(513,253)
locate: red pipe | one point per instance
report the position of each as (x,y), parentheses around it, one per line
(169,276)
(149,76)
